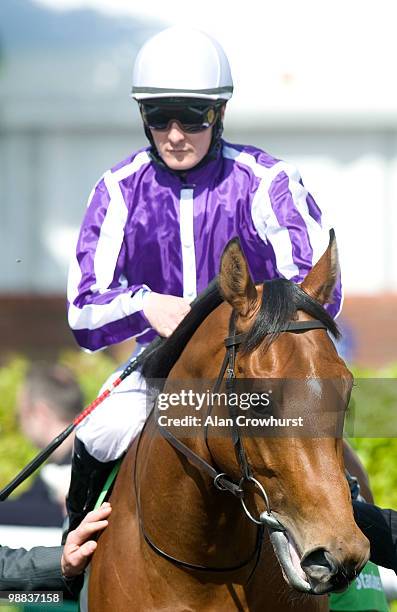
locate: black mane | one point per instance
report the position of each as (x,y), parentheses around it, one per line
(280,301)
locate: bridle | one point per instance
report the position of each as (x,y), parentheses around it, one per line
(220,479)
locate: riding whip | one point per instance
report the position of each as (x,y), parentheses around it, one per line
(46,452)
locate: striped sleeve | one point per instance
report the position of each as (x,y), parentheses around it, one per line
(286,216)
(102,308)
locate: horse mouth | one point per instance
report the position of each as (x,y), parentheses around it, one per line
(289,560)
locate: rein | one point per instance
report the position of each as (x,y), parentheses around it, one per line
(221,480)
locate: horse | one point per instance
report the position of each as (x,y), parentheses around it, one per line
(215,522)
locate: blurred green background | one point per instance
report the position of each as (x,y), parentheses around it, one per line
(15,451)
(378,454)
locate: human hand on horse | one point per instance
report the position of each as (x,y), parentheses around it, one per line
(164,312)
(78,547)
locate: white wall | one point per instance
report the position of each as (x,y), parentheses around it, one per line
(17,536)
(47,172)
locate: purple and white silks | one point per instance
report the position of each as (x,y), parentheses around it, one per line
(147,227)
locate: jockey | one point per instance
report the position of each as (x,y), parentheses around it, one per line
(157,223)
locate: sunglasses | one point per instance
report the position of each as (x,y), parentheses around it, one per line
(192,118)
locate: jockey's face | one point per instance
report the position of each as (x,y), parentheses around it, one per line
(180,150)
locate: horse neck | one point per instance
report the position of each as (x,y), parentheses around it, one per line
(182,511)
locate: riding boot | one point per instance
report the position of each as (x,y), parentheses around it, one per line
(87,480)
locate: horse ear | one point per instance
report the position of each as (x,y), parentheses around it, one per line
(235,281)
(320,281)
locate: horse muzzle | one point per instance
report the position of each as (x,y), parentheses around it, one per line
(325,574)
(316,573)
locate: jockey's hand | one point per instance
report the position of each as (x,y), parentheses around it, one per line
(78,546)
(164,312)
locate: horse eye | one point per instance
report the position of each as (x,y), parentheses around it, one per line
(263,406)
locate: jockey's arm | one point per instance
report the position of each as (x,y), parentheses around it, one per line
(296,229)
(102,308)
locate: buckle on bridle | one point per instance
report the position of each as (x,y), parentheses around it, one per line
(232,488)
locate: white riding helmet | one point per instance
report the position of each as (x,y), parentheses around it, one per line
(181,62)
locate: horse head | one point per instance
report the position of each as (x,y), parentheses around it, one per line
(298,474)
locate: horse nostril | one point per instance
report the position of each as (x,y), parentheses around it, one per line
(319,565)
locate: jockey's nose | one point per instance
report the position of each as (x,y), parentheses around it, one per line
(175,133)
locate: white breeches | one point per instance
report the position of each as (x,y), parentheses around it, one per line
(109,429)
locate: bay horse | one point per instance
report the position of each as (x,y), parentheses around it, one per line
(175,542)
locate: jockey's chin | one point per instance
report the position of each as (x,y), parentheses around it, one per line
(180,150)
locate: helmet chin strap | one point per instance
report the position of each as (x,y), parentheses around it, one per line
(212,153)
